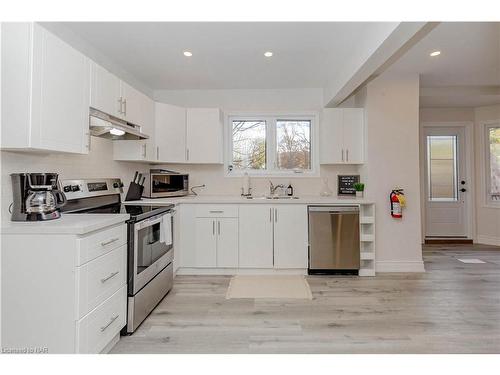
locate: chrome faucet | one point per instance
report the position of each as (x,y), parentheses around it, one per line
(272,188)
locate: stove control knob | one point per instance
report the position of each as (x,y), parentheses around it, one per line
(67,189)
(116,185)
(75,188)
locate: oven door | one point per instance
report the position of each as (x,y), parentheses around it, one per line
(153,249)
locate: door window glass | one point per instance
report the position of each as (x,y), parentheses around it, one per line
(442,167)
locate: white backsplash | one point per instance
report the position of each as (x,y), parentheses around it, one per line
(99,163)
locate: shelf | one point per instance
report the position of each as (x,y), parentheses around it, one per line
(366,272)
(367,220)
(367,238)
(366,255)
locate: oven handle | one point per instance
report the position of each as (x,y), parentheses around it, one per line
(151,221)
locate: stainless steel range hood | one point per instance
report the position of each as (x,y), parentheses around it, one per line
(106,126)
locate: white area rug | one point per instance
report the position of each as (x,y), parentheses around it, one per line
(471,260)
(265,286)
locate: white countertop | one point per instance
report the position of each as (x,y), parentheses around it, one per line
(66,224)
(220,199)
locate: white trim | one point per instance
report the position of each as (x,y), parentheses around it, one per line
(399,266)
(484,163)
(240,271)
(469,166)
(267,116)
(488,240)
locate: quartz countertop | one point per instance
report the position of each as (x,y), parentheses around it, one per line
(67,224)
(221,199)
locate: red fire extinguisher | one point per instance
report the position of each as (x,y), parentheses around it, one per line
(396,208)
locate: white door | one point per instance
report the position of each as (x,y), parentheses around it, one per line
(205,243)
(61,87)
(353,135)
(256,236)
(104,91)
(290,236)
(331,136)
(204,136)
(445,182)
(227,242)
(170,132)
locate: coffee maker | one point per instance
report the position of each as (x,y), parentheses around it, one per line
(36,197)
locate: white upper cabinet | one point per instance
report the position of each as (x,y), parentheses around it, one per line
(133,104)
(204,130)
(170,133)
(105,91)
(342,136)
(46,87)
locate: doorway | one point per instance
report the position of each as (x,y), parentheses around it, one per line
(447,196)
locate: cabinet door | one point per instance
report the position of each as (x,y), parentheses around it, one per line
(61,93)
(353,135)
(206,242)
(204,136)
(148,127)
(256,236)
(131,150)
(133,103)
(290,236)
(104,91)
(331,137)
(227,242)
(170,132)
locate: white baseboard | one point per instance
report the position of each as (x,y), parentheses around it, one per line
(488,240)
(399,266)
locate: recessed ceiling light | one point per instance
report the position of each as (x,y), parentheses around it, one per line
(188,54)
(435,53)
(268,54)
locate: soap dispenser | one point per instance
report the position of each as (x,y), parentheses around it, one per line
(289,189)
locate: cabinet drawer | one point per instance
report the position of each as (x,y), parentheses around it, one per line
(101,242)
(98,328)
(219,210)
(100,278)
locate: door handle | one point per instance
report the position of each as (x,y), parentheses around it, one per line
(271,215)
(347,154)
(342,154)
(125,107)
(111,275)
(157,153)
(109,241)
(218,228)
(120,102)
(213,227)
(103,328)
(275,215)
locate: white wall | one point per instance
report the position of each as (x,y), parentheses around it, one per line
(392,116)
(488,218)
(251,100)
(98,163)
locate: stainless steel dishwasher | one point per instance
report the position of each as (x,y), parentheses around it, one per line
(333,239)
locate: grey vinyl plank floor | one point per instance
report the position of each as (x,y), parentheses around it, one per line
(452,308)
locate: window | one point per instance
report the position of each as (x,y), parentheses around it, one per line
(271,145)
(493,163)
(442,168)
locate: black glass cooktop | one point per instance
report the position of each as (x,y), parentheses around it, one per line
(136,212)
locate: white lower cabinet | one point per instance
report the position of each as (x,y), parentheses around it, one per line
(67,293)
(257,236)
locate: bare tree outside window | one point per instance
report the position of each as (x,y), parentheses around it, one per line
(249,144)
(293,138)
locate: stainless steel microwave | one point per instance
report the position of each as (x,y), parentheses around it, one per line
(164,184)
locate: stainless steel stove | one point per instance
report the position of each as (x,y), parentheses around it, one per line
(150,241)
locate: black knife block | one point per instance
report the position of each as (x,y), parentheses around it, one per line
(134,192)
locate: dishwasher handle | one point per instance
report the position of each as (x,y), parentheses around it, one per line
(334,209)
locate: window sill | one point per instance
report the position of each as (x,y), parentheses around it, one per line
(311,174)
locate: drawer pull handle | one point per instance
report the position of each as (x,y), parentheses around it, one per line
(109,242)
(217,212)
(110,276)
(109,323)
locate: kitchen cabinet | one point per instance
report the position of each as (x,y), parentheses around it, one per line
(133,150)
(273,236)
(133,104)
(256,236)
(170,133)
(342,136)
(206,242)
(105,91)
(227,242)
(204,136)
(48,86)
(290,236)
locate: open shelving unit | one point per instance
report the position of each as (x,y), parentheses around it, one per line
(367,239)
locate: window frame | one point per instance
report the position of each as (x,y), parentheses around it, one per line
(487,167)
(271,119)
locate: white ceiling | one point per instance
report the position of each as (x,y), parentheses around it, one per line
(230,55)
(469,62)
